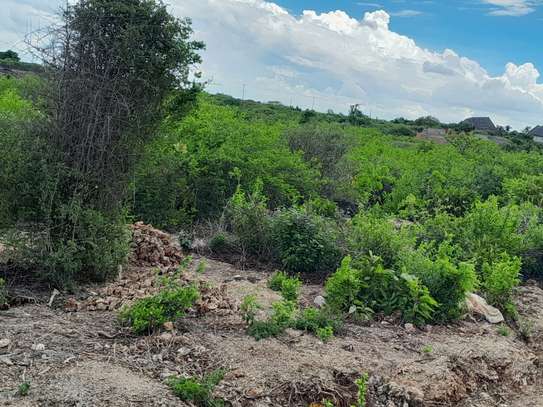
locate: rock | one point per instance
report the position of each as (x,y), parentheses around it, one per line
(477,305)
(184,351)
(38,347)
(319,301)
(410,328)
(237,278)
(168,326)
(6,361)
(4,343)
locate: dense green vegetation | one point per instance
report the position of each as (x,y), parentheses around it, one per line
(396,224)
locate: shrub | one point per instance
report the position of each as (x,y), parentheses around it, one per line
(500,278)
(314,320)
(372,234)
(325,334)
(448,283)
(288,286)
(221,243)
(196,391)
(3,294)
(249,307)
(370,285)
(281,318)
(305,243)
(246,216)
(149,313)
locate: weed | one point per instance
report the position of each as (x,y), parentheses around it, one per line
(276,280)
(23,389)
(281,319)
(196,391)
(362,384)
(327,403)
(325,334)
(526,329)
(290,289)
(427,349)
(249,307)
(201,268)
(147,314)
(313,320)
(503,330)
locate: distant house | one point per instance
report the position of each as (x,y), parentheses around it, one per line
(483,124)
(537,133)
(438,136)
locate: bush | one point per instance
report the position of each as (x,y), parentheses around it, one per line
(448,283)
(246,216)
(3,294)
(87,245)
(148,314)
(281,319)
(500,277)
(305,243)
(249,308)
(288,286)
(385,291)
(196,391)
(314,320)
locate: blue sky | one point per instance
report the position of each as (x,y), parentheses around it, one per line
(463,25)
(395,58)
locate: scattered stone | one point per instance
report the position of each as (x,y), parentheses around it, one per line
(319,301)
(410,328)
(477,305)
(184,351)
(238,278)
(38,347)
(253,279)
(4,343)
(168,326)
(349,347)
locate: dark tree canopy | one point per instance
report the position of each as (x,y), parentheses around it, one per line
(9,55)
(114,63)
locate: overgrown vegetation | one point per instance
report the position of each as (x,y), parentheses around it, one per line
(199,392)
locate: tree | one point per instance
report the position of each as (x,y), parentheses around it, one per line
(9,55)
(113,66)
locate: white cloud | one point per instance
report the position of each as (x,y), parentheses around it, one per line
(513,8)
(332,60)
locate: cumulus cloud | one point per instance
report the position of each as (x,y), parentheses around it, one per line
(332,60)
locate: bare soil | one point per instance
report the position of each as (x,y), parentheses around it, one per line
(75,353)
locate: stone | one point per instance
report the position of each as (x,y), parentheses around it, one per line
(183,351)
(4,343)
(410,328)
(477,305)
(319,301)
(38,347)
(168,326)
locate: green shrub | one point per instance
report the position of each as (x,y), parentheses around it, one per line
(3,293)
(200,392)
(305,243)
(249,307)
(362,384)
(288,286)
(325,334)
(500,278)
(222,243)
(281,318)
(448,283)
(148,314)
(374,235)
(385,291)
(276,280)
(313,320)
(23,389)
(247,217)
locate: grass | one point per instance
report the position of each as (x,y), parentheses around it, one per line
(199,392)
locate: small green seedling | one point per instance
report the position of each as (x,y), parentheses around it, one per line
(503,330)
(427,349)
(201,268)
(23,389)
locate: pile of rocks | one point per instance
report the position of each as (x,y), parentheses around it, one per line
(153,248)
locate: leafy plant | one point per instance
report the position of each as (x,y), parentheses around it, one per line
(325,334)
(249,307)
(362,384)
(306,243)
(23,389)
(500,278)
(503,330)
(288,286)
(148,314)
(200,392)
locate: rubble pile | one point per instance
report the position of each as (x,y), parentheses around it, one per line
(153,248)
(138,283)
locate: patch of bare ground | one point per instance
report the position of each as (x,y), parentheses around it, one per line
(87,359)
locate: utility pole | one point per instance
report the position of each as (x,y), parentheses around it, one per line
(243,94)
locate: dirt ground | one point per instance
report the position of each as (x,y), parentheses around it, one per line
(76,354)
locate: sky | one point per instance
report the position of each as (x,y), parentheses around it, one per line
(395,58)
